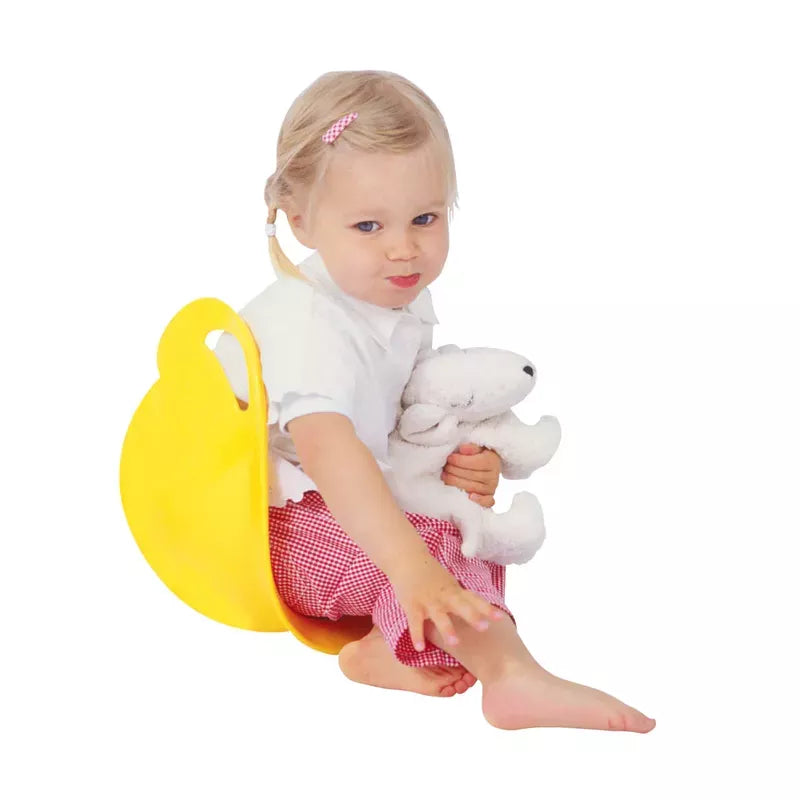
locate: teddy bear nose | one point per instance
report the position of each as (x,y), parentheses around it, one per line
(529,370)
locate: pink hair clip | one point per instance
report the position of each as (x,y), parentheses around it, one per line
(332,134)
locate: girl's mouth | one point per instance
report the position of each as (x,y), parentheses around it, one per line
(405,281)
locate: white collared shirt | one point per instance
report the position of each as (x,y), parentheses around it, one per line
(324,350)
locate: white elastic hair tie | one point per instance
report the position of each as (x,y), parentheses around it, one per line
(270,228)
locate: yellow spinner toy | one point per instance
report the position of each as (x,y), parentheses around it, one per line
(194,484)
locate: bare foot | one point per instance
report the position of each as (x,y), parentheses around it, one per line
(531,697)
(370,661)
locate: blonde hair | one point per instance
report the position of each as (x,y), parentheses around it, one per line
(394,116)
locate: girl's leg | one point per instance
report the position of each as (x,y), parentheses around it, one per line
(319,571)
(370,660)
(519,693)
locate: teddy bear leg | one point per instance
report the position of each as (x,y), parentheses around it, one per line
(515,536)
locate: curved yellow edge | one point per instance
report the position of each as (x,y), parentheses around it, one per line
(194,484)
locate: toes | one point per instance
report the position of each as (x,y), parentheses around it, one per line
(641,723)
(636,722)
(456,679)
(451,672)
(617,722)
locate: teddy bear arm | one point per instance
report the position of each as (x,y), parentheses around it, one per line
(517,444)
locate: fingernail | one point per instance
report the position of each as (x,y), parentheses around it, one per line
(420,646)
(452,640)
(483,625)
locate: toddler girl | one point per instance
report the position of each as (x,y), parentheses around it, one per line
(366,178)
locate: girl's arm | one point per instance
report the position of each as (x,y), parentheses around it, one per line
(351,483)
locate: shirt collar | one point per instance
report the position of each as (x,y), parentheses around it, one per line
(380,321)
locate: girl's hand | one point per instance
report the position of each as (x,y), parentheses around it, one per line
(476,470)
(426,590)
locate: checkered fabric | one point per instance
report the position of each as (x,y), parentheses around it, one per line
(321,572)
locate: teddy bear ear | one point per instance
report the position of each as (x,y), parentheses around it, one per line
(424,355)
(448,348)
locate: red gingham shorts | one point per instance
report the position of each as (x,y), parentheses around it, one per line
(321,572)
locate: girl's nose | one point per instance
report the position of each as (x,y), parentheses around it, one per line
(403,253)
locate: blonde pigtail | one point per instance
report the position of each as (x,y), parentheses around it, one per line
(281,263)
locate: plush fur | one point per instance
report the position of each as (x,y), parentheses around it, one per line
(456,396)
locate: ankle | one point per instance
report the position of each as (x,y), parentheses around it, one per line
(510,668)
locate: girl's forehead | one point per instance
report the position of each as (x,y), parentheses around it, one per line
(358,181)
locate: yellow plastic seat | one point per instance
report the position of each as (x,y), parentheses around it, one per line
(194,484)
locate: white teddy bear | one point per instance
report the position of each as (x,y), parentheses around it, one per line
(456,396)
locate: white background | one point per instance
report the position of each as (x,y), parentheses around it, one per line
(628,177)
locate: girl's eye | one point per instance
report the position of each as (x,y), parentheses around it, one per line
(427,215)
(372,222)
(358,225)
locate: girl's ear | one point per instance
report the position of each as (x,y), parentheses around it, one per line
(298,224)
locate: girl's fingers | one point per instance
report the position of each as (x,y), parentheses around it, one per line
(473,613)
(482,460)
(485,608)
(441,619)
(416,630)
(478,475)
(467,486)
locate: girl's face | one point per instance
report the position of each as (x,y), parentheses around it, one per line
(376,217)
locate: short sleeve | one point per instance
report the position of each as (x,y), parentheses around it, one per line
(295,405)
(309,362)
